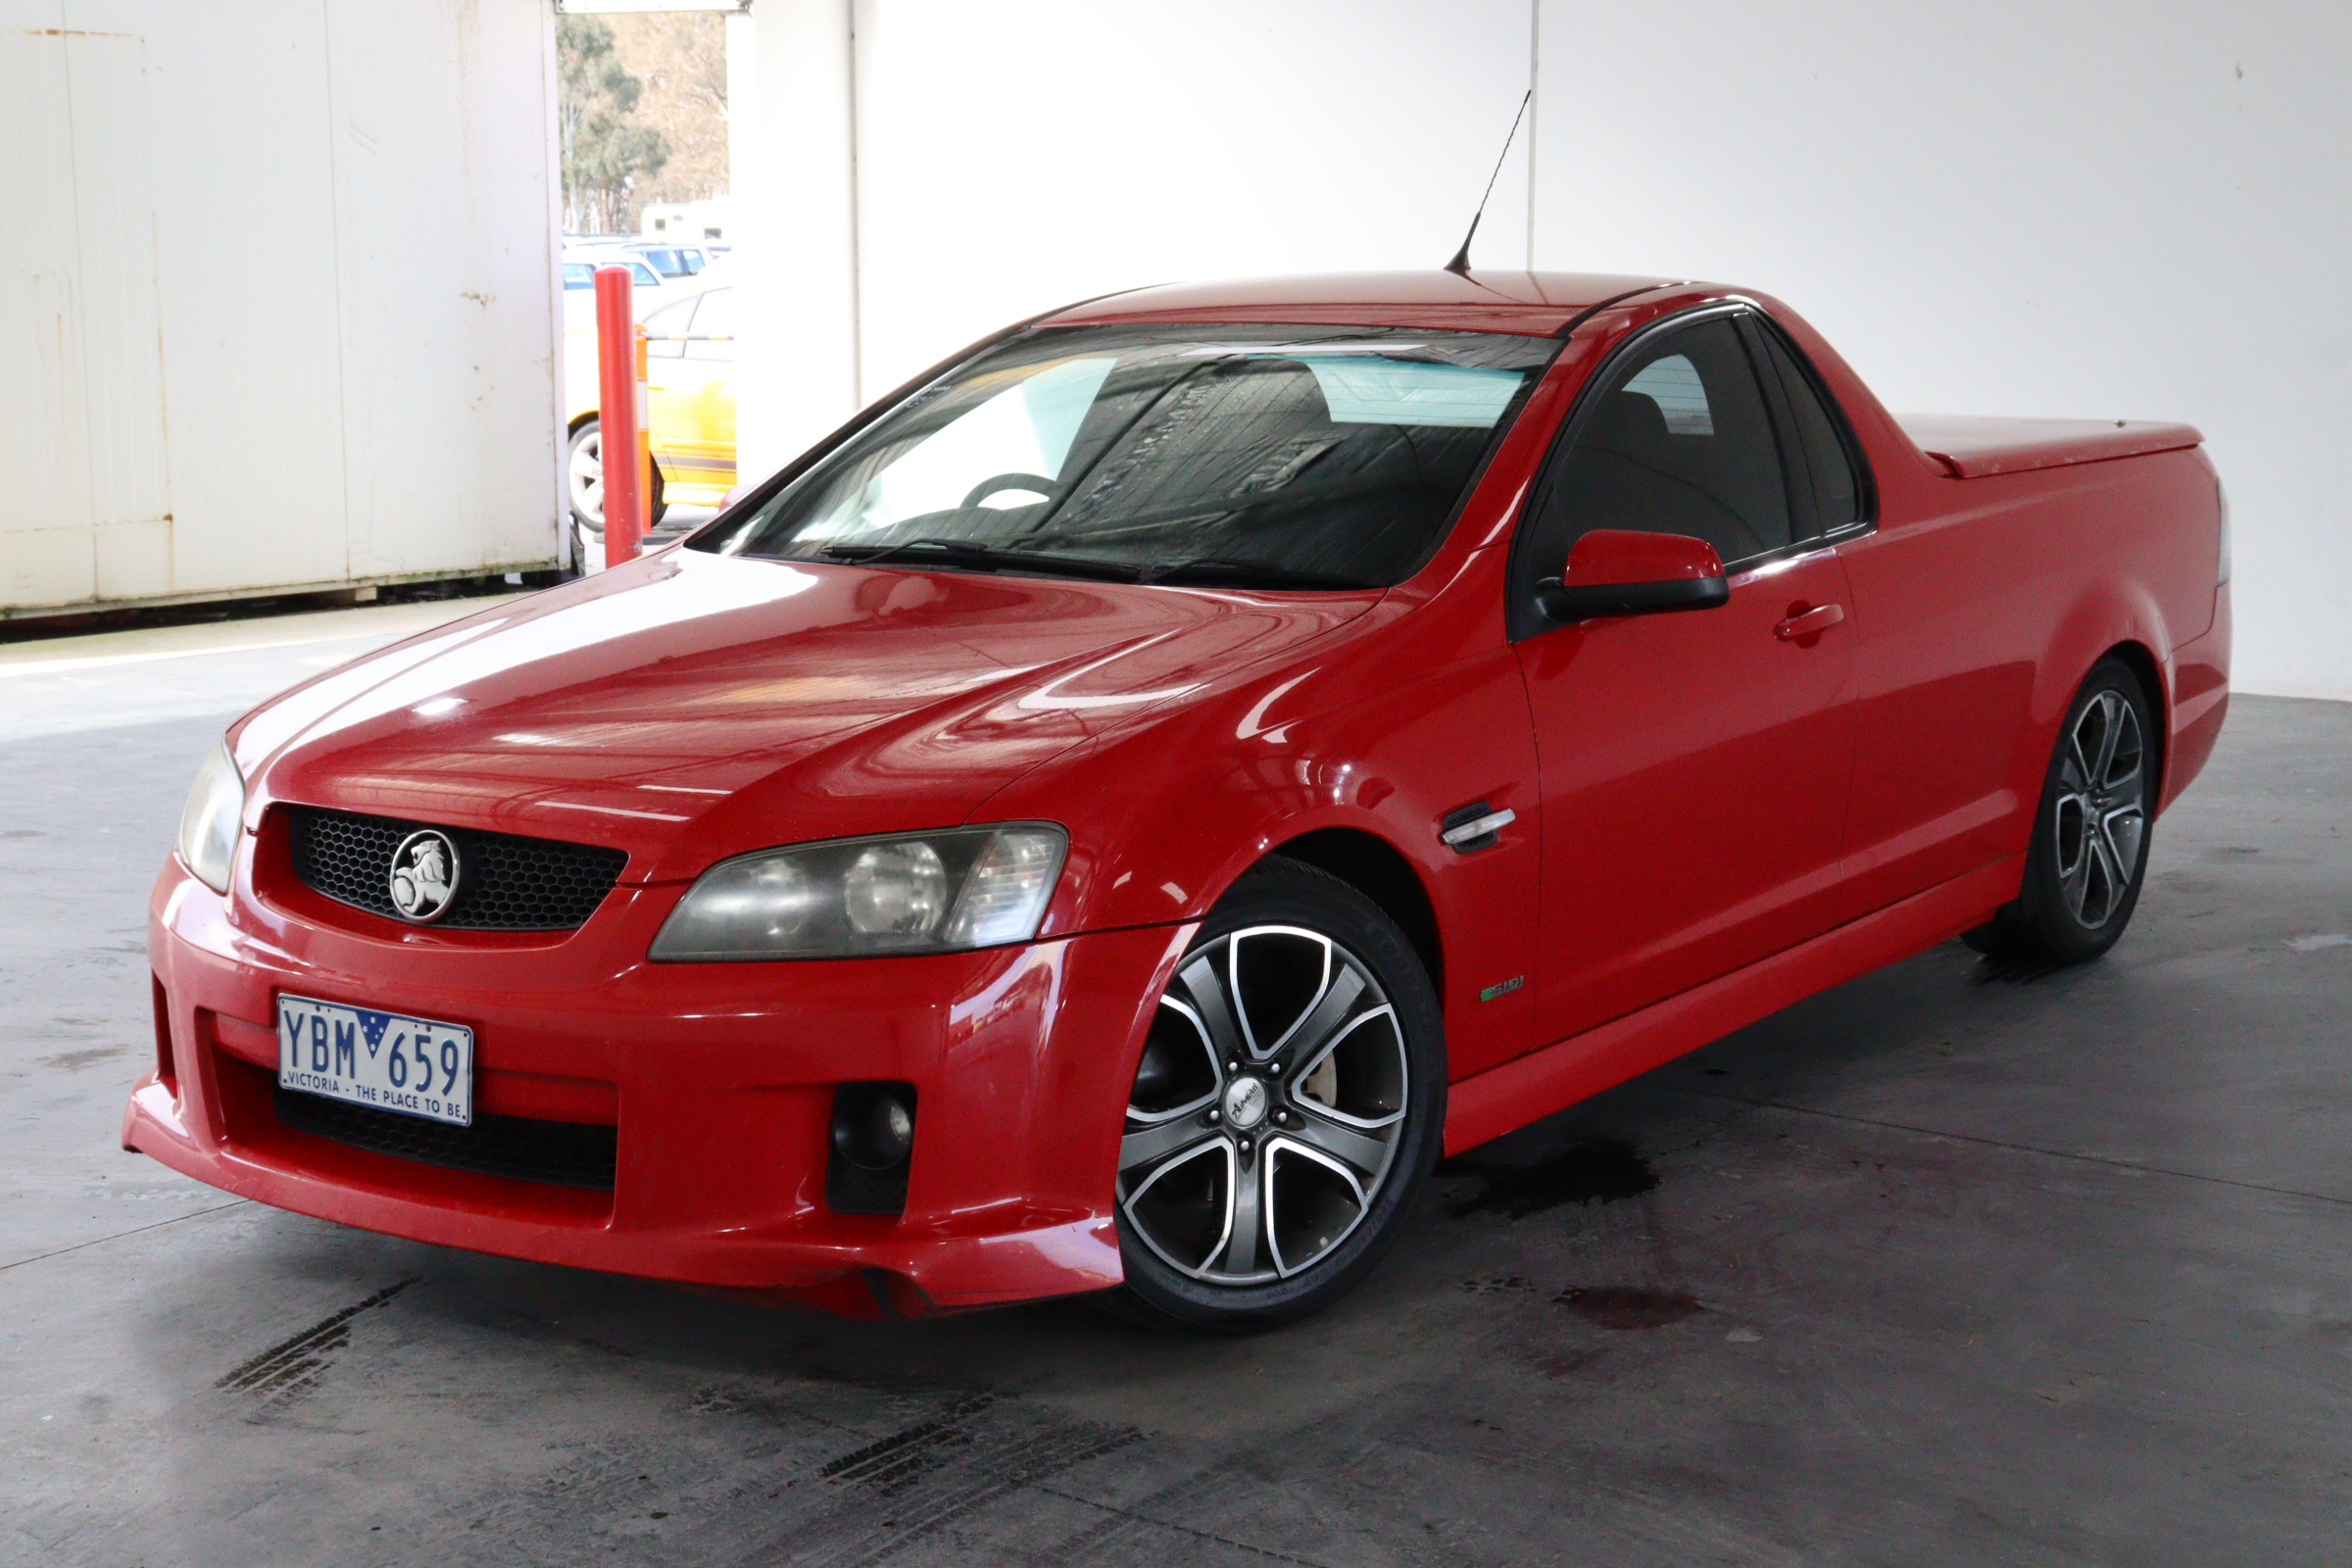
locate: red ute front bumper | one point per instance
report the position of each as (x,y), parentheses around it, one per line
(720,1079)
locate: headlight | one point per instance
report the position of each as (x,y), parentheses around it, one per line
(207,824)
(980,887)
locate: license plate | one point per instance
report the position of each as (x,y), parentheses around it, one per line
(387,1061)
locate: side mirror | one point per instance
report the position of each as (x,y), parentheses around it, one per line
(1622,571)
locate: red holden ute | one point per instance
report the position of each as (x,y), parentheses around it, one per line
(1111,815)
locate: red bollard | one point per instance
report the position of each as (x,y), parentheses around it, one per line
(621,436)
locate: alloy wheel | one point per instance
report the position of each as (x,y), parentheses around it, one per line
(1267,1109)
(586,477)
(2101,808)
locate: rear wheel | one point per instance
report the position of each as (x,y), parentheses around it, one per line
(2089,852)
(1288,1105)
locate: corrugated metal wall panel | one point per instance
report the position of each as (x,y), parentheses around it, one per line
(276,301)
(46,510)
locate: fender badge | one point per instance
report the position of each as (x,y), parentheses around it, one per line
(1502,990)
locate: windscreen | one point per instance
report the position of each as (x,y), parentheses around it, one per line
(1281,457)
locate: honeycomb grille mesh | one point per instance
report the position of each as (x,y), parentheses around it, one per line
(554,1153)
(509,883)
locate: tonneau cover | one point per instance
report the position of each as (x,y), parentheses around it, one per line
(1971,447)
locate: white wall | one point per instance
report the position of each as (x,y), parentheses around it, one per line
(1014,157)
(2062,208)
(2104,210)
(276,294)
(1020,154)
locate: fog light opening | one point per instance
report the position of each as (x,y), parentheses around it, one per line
(873,1144)
(873,1124)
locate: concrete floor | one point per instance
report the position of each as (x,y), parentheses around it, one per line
(1944,1266)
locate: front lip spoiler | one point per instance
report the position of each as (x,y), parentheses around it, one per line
(889,1276)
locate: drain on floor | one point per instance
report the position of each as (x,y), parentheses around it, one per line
(1590,1170)
(1628,1306)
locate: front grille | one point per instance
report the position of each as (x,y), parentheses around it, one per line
(556,1154)
(511,883)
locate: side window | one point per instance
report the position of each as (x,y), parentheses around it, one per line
(1673,384)
(1676,441)
(1835,490)
(672,321)
(715,324)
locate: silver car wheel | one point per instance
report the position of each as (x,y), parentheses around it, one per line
(2101,808)
(1267,1109)
(584,473)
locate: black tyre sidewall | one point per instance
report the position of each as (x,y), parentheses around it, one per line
(1284,892)
(2039,918)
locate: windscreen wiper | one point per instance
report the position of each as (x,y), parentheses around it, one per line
(967,555)
(1248,573)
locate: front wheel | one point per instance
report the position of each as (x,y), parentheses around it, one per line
(1289,1104)
(2089,852)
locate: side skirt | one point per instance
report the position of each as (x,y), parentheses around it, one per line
(1501,1099)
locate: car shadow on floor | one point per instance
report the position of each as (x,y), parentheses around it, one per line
(1606,1151)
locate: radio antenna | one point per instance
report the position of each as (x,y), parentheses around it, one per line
(1460,264)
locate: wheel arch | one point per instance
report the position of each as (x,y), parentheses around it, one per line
(1381,873)
(2140,660)
(2113,617)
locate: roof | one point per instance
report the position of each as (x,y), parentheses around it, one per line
(1534,303)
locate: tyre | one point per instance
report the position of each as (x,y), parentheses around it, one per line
(585,487)
(2089,852)
(584,478)
(1289,1104)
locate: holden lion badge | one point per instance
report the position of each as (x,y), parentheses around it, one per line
(425,876)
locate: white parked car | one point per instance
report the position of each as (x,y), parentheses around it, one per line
(653,290)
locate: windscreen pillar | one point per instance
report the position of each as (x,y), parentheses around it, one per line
(793,161)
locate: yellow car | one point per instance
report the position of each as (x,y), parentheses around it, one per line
(690,397)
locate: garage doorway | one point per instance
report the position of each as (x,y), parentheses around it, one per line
(647,97)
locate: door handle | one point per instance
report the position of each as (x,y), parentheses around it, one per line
(1804,625)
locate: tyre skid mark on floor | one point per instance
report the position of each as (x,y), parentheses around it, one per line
(894,1463)
(290,1368)
(929,1476)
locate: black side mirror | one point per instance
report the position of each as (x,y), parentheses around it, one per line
(1620,571)
(1565,603)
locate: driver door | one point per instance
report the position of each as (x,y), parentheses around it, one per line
(1694,764)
